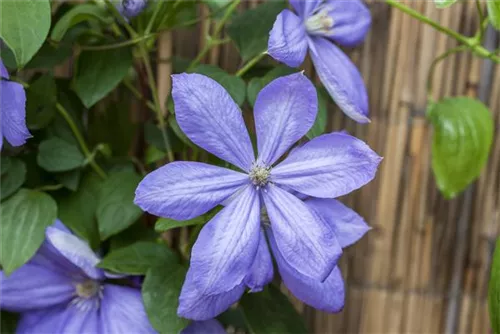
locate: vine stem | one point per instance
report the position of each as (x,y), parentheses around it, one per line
(471,43)
(250,64)
(90,158)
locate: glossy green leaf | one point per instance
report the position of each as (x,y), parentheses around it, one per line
(250,29)
(270,311)
(77,14)
(13,177)
(41,102)
(234,85)
(494,290)
(99,72)
(137,258)
(160,293)
(78,210)
(70,179)
(494,12)
(444,3)
(463,133)
(116,209)
(25,216)
(56,155)
(256,84)
(24,25)
(319,125)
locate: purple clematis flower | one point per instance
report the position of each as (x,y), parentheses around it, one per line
(318,23)
(211,326)
(60,290)
(12,110)
(131,8)
(231,252)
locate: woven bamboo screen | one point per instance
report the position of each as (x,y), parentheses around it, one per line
(424,267)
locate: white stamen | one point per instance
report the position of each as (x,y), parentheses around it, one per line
(320,22)
(259,175)
(87,294)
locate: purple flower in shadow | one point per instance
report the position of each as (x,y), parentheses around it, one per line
(131,8)
(60,290)
(12,110)
(231,252)
(316,25)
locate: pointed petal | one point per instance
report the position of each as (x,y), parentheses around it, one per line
(349,227)
(13,113)
(211,326)
(183,190)
(287,40)
(305,7)
(122,311)
(341,78)
(211,119)
(76,251)
(261,272)
(61,319)
(328,166)
(227,244)
(31,287)
(284,111)
(305,241)
(351,21)
(3,71)
(326,296)
(196,306)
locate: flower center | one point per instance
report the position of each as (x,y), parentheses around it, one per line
(320,22)
(88,289)
(260,175)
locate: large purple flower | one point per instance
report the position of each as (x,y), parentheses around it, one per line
(60,290)
(318,23)
(231,252)
(12,110)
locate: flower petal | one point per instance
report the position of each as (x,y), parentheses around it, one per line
(211,326)
(76,251)
(32,287)
(287,40)
(305,241)
(61,319)
(351,21)
(13,113)
(349,227)
(3,71)
(197,306)
(211,119)
(305,7)
(261,272)
(284,111)
(326,296)
(122,311)
(328,166)
(227,244)
(341,78)
(183,190)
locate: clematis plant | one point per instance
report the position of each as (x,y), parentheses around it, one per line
(317,24)
(12,110)
(131,8)
(263,198)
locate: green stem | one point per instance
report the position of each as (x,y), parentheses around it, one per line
(153,18)
(138,94)
(471,43)
(64,113)
(117,45)
(250,64)
(49,187)
(120,18)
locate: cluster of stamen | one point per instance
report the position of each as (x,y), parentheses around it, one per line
(259,175)
(320,21)
(88,294)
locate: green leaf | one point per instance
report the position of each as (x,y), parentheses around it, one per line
(494,290)
(160,293)
(24,26)
(56,155)
(70,179)
(463,133)
(77,14)
(494,12)
(13,177)
(256,84)
(319,125)
(41,102)
(250,29)
(153,154)
(99,72)
(25,216)
(77,210)
(234,85)
(165,224)
(271,312)
(132,234)
(137,258)
(49,56)
(444,3)
(116,209)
